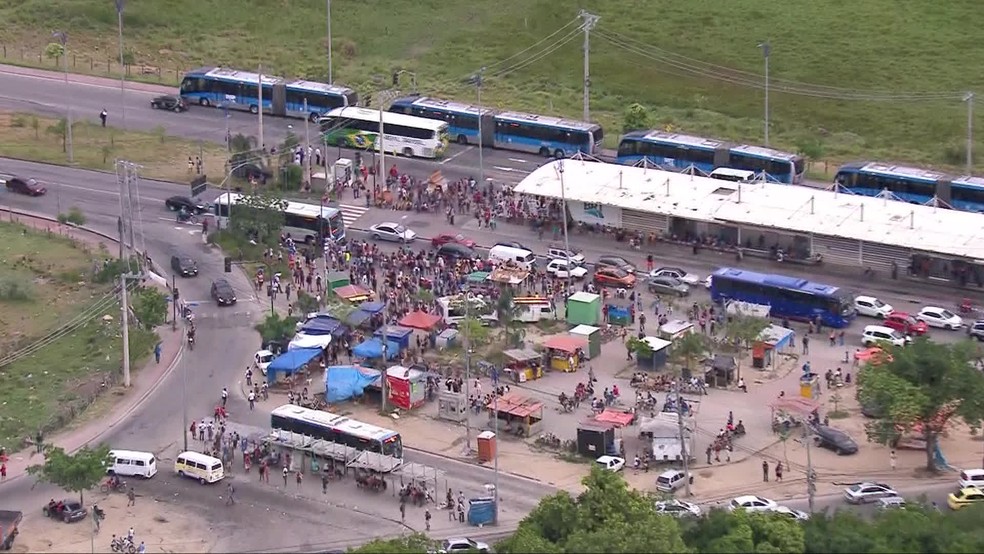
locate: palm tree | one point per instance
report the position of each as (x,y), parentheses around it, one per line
(506,311)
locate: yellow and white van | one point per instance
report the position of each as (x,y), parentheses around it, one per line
(196,465)
(131,463)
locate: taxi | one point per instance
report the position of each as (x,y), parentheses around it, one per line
(965,497)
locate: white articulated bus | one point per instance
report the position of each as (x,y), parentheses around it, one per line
(403,134)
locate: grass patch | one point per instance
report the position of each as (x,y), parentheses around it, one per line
(51,384)
(30,137)
(925,47)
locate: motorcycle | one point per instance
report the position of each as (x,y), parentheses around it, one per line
(113,485)
(191,342)
(123,544)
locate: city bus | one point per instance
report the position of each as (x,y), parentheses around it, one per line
(787,297)
(403,134)
(239,90)
(679,152)
(462,119)
(546,136)
(337,429)
(913,184)
(301,221)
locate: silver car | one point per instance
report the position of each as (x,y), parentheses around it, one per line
(667,285)
(393,232)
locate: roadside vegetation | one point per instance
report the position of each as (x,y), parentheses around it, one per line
(694,66)
(44,139)
(60,340)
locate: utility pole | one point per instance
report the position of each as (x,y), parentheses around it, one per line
(684,454)
(328,19)
(811,476)
(383,374)
(766,50)
(382,149)
(63,40)
(481,161)
(495,431)
(467,343)
(126,331)
(307,153)
(969,99)
(174,305)
(119,19)
(259,107)
(563,223)
(588,22)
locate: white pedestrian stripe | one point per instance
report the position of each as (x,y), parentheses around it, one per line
(351,213)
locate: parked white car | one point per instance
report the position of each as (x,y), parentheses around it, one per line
(940,317)
(393,232)
(872,307)
(752,503)
(262,359)
(611,463)
(798,515)
(677,273)
(873,334)
(678,508)
(558,268)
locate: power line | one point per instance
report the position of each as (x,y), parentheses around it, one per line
(693,67)
(491,66)
(556,45)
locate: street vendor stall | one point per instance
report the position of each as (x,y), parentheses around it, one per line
(772,340)
(323,325)
(337,279)
(509,275)
(422,321)
(518,415)
(353,294)
(397,334)
(790,412)
(583,308)
(406,387)
(478,282)
(372,349)
(563,351)
(523,364)
(592,336)
(291,362)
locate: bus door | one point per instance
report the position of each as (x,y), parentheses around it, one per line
(278,100)
(722,157)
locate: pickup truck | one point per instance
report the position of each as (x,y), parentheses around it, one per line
(9,519)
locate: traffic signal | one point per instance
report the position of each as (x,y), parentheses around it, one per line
(228,264)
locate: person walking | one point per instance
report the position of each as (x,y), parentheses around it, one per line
(131,498)
(157,352)
(39,441)
(403,511)
(892,459)
(230,495)
(286,472)
(103,115)
(225,396)
(765,471)
(298,477)
(252,400)
(427,520)
(778,472)
(324,483)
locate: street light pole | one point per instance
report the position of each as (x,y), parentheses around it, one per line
(328,22)
(481,160)
(119,19)
(969,99)
(563,223)
(467,343)
(766,50)
(63,40)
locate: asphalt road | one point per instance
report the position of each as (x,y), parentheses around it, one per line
(45,92)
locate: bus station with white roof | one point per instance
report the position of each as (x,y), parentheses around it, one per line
(808,225)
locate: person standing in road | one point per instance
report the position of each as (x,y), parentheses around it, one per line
(131,498)
(324,483)
(252,400)
(806,344)
(765,471)
(427,520)
(286,472)
(403,511)
(298,477)
(225,396)
(230,495)
(778,472)
(892,459)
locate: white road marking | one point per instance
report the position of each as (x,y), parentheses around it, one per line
(518,160)
(469,149)
(351,213)
(99,191)
(506,169)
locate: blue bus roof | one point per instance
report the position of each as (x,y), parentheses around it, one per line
(765,153)
(969,181)
(689,141)
(443,105)
(314,86)
(779,281)
(233,75)
(897,171)
(519,117)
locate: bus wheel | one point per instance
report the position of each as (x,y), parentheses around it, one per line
(545,152)
(559,154)
(462,139)
(408,152)
(254,109)
(203,102)
(313,117)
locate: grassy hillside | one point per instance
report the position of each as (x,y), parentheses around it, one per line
(892,61)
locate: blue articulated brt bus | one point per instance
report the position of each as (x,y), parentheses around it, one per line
(789,297)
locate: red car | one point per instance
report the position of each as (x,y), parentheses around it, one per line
(30,187)
(445,238)
(614,277)
(905,324)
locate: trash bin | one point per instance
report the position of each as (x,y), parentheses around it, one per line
(486,446)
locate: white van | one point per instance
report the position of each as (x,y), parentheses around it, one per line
(131,463)
(196,465)
(972,478)
(671,480)
(520,257)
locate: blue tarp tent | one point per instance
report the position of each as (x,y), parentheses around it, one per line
(345,381)
(321,326)
(358,317)
(372,307)
(400,335)
(373,348)
(291,361)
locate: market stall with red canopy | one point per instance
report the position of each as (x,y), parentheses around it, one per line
(564,351)
(420,320)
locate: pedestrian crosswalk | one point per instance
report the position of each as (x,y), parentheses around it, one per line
(351,213)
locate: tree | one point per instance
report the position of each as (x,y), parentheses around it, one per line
(417,543)
(740,331)
(149,306)
(36,125)
(740,531)
(59,129)
(77,472)
(507,313)
(259,217)
(276,328)
(689,349)
(636,117)
(920,387)
(54,51)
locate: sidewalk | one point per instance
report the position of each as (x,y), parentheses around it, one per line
(145,381)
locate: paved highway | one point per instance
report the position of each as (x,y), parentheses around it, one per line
(45,92)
